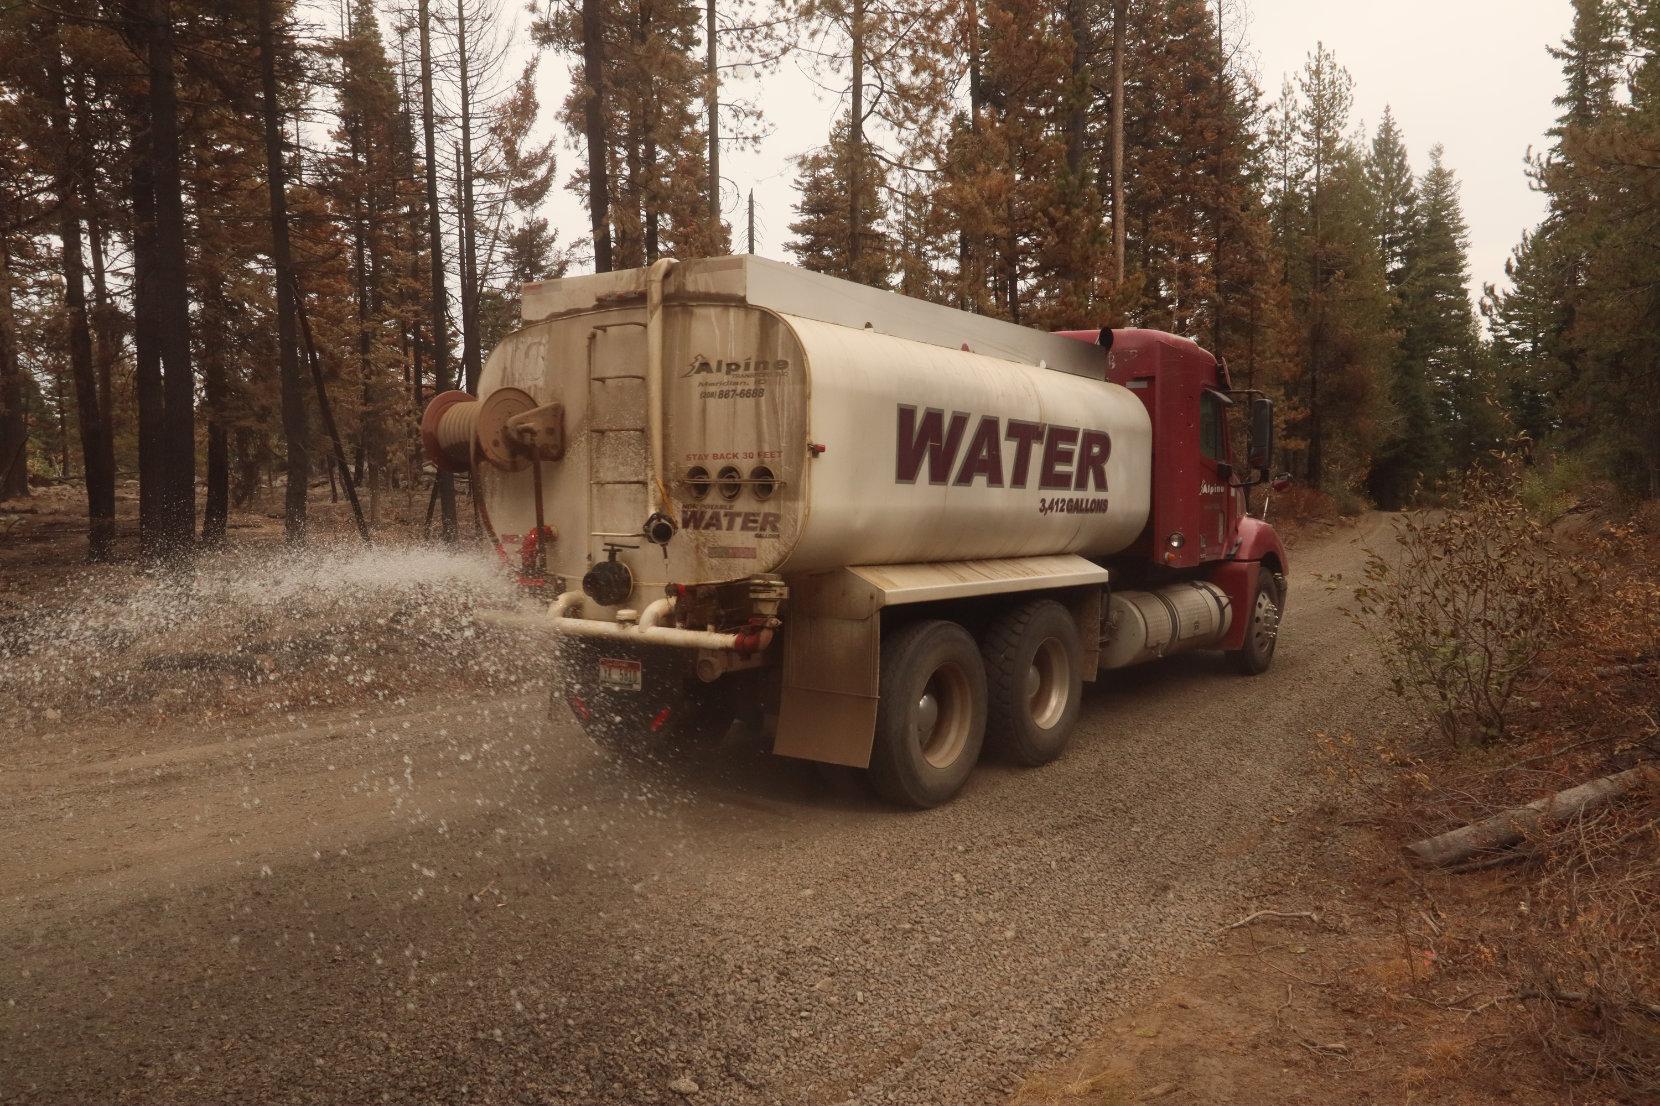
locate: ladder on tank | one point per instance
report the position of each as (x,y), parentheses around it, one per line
(609,421)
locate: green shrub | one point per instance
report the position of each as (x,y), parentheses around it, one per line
(1554,486)
(1465,604)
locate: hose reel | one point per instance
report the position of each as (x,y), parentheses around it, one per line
(509,429)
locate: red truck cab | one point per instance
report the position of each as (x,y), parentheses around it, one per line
(1198,526)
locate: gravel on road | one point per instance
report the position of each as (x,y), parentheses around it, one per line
(460,899)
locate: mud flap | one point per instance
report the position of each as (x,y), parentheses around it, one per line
(828,710)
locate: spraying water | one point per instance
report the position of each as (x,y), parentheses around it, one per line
(243,631)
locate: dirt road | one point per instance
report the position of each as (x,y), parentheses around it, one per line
(461,900)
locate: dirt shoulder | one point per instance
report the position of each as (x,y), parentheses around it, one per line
(1526,972)
(1341,994)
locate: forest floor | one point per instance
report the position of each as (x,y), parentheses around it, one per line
(295,829)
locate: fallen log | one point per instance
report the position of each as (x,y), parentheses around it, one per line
(1508,827)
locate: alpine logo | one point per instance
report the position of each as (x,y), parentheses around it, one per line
(748,367)
(1066,458)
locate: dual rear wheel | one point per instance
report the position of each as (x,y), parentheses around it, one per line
(944,696)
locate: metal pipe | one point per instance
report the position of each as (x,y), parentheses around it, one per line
(655,276)
(651,635)
(566,603)
(624,631)
(655,612)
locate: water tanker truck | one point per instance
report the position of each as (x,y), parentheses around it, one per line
(887,532)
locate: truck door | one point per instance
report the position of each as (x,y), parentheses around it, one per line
(1215,492)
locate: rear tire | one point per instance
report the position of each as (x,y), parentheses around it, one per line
(1034,681)
(931,715)
(1263,632)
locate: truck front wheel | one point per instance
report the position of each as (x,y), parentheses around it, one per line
(1263,631)
(931,715)
(1034,681)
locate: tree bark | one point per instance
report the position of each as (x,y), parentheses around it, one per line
(471,352)
(599,173)
(105,317)
(1120,13)
(712,76)
(147,387)
(967,275)
(294,428)
(1505,829)
(216,503)
(650,193)
(360,277)
(326,411)
(1078,272)
(445,483)
(14,420)
(1077,100)
(177,502)
(97,448)
(855,137)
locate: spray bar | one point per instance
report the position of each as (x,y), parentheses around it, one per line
(559,620)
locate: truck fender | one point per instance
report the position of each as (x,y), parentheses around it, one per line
(1259,550)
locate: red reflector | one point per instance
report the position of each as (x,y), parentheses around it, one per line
(662,717)
(578,707)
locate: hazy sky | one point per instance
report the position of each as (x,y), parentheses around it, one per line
(1473,75)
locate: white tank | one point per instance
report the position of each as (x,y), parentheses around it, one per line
(853,428)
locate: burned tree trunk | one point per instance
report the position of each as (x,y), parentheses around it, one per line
(177,502)
(97,448)
(599,173)
(712,76)
(444,487)
(294,428)
(14,422)
(1120,12)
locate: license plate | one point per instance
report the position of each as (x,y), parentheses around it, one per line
(619,674)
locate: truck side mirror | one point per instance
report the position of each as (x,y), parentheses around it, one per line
(1261,452)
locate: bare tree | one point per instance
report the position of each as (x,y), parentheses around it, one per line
(294,422)
(445,486)
(97,448)
(599,172)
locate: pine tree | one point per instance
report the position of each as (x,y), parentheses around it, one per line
(1526,322)
(1440,334)
(66,135)
(1395,193)
(1575,333)
(645,117)
(1324,220)
(1409,449)
(1618,321)
(21,190)
(823,239)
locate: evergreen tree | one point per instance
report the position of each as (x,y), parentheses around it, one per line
(1440,335)
(1527,323)
(823,238)
(1618,320)
(1395,194)
(1575,333)
(1325,220)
